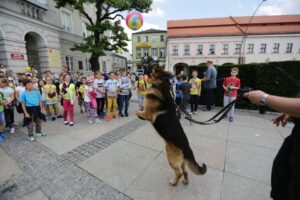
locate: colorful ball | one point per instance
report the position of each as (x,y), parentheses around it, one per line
(27,69)
(134,21)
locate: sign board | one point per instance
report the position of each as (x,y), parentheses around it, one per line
(143,45)
(17,56)
(54,58)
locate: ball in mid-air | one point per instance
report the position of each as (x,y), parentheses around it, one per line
(134,21)
(27,69)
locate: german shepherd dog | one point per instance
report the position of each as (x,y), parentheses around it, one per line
(160,110)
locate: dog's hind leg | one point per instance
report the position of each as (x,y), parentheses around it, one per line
(175,158)
(185,174)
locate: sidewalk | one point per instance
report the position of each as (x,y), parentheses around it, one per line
(125,159)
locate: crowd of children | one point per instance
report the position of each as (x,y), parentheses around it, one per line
(100,96)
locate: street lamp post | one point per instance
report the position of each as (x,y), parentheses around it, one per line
(243,42)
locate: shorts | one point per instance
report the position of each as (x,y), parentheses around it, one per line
(80,100)
(2,118)
(51,102)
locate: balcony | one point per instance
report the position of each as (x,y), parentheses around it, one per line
(32,11)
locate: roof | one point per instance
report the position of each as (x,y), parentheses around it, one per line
(151,31)
(230,26)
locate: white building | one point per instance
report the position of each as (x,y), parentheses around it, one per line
(34,32)
(266,38)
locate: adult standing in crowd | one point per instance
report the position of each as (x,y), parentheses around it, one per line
(285,179)
(210,84)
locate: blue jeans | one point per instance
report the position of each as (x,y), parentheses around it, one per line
(124,99)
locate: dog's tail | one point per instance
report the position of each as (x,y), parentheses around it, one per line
(192,163)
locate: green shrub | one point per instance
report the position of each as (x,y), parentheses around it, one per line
(258,76)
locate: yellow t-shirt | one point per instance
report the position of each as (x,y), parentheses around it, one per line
(50,89)
(69,95)
(195,86)
(81,89)
(141,86)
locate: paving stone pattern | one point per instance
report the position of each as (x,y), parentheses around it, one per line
(58,176)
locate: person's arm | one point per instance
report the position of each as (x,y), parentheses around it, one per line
(11,98)
(25,110)
(41,106)
(290,106)
(207,76)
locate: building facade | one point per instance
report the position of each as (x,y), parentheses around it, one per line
(146,43)
(34,32)
(232,40)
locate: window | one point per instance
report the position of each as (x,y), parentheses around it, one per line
(200,49)
(66,21)
(138,38)
(80,65)
(69,62)
(162,38)
(211,49)
(186,49)
(154,38)
(162,52)
(250,48)
(276,48)
(237,48)
(289,47)
(146,53)
(104,66)
(154,53)
(175,50)
(146,39)
(84,30)
(225,48)
(263,48)
(138,53)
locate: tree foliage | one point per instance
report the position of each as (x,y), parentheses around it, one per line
(104,24)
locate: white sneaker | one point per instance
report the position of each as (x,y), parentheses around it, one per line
(98,121)
(91,121)
(12,130)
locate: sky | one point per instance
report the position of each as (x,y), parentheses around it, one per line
(164,10)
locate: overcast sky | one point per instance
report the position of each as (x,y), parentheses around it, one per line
(164,10)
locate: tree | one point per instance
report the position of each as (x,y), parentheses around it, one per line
(105,25)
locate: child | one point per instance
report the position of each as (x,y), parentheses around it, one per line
(8,92)
(185,90)
(99,84)
(141,87)
(3,102)
(178,91)
(125,86)
(112,87)
(231,85)
(32,106)
(80,93)
(67,89)
(195,92)
(51,99)
(41,89)
(88,101)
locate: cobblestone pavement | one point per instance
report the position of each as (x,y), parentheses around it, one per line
(58,176)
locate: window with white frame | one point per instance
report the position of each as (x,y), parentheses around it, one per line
(263,48)
(250,48)
(138,53)
(66,21)
(289,47)
(237,48)
(225,48)
(84,30)
(162,52)
(104,66)
(138,38)
(199,49)
(87,65)
(162,38)
(212,49)
(146,38)
(276,48)
(146,52)
(175,50)
(154,52)
(69,62)
(80,65)
(186,49)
